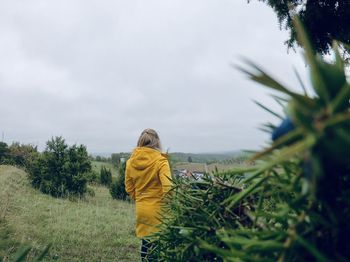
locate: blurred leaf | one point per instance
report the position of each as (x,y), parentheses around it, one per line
(313,250)
(44,253)
(316,75)
(268,110)
(21,254)
(300,81)
(341,101)
(283,140)
(337,119)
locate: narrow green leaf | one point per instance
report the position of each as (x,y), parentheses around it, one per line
(269,125)
(268,110)
(238,197)
(265,79)
(21,255)
(300,81)
(281,99)
(316,74)
(338,58)
(286,153)
(342,99)
(343,135)
(266,130)
(312,249)
(222,252)
(338,119)
(283,140)
(44,252)
(280,102)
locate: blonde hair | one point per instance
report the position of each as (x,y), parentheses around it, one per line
(149,138)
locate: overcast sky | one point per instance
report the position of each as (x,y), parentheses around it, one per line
(99,72)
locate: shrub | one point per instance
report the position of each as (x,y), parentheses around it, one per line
(115,159)
(105,176)
(60,170)
(294,203)
(93,177)
(17,154)
(3,152)
(21,155)
(90,191)
(197,213)
(117,189)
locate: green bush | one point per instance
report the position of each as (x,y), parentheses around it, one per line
(105,176)
(90,191)
(17,154)
(60,170)
(115,159)
(3,152)
(93,177)
(21,155)
(197,214)
(117,189)
(293,205)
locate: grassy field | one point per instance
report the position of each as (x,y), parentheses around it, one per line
(94,229)
(96,166)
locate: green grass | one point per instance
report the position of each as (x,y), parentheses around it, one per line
(94,229)
(96,166)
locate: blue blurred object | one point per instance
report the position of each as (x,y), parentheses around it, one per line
(285,127)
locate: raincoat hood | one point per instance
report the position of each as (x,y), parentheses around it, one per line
(144,157)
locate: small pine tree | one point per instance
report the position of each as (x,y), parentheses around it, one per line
(3,151)
(117,189)
(60,170)
(115,159)
(105,176)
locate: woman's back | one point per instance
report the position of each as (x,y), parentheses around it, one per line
(148,173)
(147,179)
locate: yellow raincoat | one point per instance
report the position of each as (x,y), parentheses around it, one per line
(147,179)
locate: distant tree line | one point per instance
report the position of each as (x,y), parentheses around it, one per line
(206,158)
(17,154)
(242,158)
(114,159)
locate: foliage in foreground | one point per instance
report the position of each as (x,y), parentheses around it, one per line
(7,244)
(61,170)
(196,215)
(296,200)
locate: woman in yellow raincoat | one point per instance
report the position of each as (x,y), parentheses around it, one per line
(147,180)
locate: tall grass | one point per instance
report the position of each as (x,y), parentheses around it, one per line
(92,229)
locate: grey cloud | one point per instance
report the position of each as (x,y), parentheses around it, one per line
(98,72)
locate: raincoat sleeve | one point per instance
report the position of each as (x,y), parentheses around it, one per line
(129,183)
(165,175)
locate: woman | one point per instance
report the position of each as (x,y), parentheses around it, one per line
(147,180)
